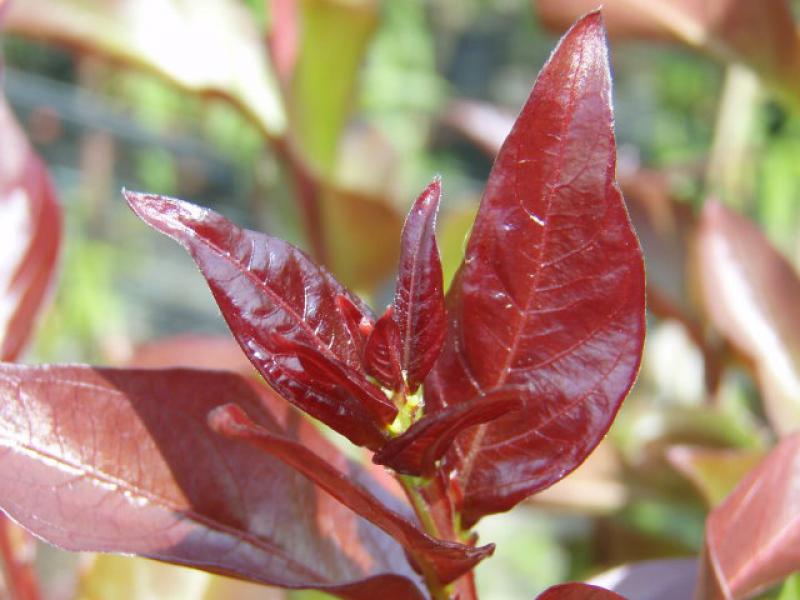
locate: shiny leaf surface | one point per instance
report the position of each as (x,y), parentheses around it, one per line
(419,294)
(752,538)
(30,230)
(578,591)
(751,294)
(91,461)
(550,296)
(271,294)
(448,559)
(214,48)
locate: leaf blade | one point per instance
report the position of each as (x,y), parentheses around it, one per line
(101,443)
(539,321)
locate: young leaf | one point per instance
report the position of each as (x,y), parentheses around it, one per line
(271,294)
(123,461)
(30,230)
(753,536)
(419,295)
(416,451)
(578,591)
(382,352)
(751,294)
(550,296)
(449,560)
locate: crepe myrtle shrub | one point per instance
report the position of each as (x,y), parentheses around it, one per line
(472,401)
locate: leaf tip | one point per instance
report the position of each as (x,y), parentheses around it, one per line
(229,420)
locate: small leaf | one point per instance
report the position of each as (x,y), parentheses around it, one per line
(92,462)
(382,352)
(449,560)
(271,294)
(419,294)
(753,536)
(30,230)
(416,451)
(751,294)
(212,48)
(550,296)
(578,591)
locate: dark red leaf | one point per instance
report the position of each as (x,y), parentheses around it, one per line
(269,291)
(352,405)
(550,296)
(30,230)
(416,451)
(360,324)
(578,591)
(419,295)
(449,560)
(752,538)
(123,461)
(382,352)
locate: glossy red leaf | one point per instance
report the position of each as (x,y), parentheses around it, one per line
(449,560)
(359,324)
(419,294)
(269,293)
(753,537)
(382,352)
(417,450)
(578,591)
(123,461)
(550,296)
(353,405)
(30,229)
(751,295)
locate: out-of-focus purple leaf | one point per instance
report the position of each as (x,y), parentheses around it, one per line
(578,591)
(752,538)
(449,560)
(550,296)
(30,230)
(91,461)
(211,47)
(667,579)
(271,294)
(751,294)
(419,295)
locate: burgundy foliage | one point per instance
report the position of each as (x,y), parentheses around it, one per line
(578,591)
(91,461)
(523,366)
(550,296)
(30,228)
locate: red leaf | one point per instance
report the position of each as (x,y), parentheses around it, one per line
(359,324)
(92,460)
(751,294)
(550,296)
(382,353)
(192,350)
(578,591)
(419,295)
(270,292)
(30,229)
(753,536)
(416,451)
(449,560)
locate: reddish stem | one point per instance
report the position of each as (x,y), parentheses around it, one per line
(20,578)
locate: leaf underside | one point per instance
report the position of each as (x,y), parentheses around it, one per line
(550,296)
